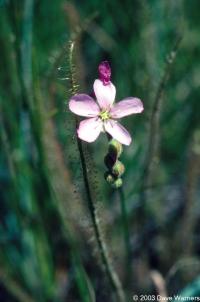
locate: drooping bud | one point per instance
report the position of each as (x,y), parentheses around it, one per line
(104,72)
(115,166)
(109,161)
(115,148)
(118,169)
(109,177)
(117,184)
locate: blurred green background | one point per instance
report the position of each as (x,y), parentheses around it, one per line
(47,247)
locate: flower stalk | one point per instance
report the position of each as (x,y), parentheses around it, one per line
(113,176)
(110,272)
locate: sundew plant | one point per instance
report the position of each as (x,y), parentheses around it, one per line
(100,151)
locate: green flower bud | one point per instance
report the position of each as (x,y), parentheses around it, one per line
(117,184)
(118,168)
(109,177)
(115,148)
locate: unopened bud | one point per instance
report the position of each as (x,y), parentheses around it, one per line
(104,72)
(118,183)
(109,161)
(118,168)
(115,148)
(109,177)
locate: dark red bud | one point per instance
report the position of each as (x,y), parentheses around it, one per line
(104,72)
(109,161)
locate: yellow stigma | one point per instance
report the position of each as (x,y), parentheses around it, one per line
(104,115)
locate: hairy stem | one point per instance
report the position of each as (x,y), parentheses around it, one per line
(111,274)
(95,220)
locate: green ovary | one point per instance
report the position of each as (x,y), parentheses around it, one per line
(104,115)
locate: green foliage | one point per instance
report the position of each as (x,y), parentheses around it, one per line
(48,250)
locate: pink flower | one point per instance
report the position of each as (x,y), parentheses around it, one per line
(102,115)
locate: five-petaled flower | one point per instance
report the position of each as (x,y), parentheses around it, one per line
(102,115)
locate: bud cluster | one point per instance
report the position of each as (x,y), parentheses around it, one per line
(115,166)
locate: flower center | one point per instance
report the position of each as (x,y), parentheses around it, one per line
(104,115)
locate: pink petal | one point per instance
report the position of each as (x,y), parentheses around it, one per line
(105,94)
(126,107)
(89,129)
(83,105)
(117,131)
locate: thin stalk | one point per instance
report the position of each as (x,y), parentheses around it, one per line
(125,225)
(154,124)
(126,231)
(111,274)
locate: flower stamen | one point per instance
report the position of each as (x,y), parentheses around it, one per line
(104,115)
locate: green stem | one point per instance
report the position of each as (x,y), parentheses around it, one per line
(154,129)
(111,274)
(125,224)
(126,232)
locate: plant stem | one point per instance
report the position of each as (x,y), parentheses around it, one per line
(111,274)
(154,132)
(126,231)
(125,224)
